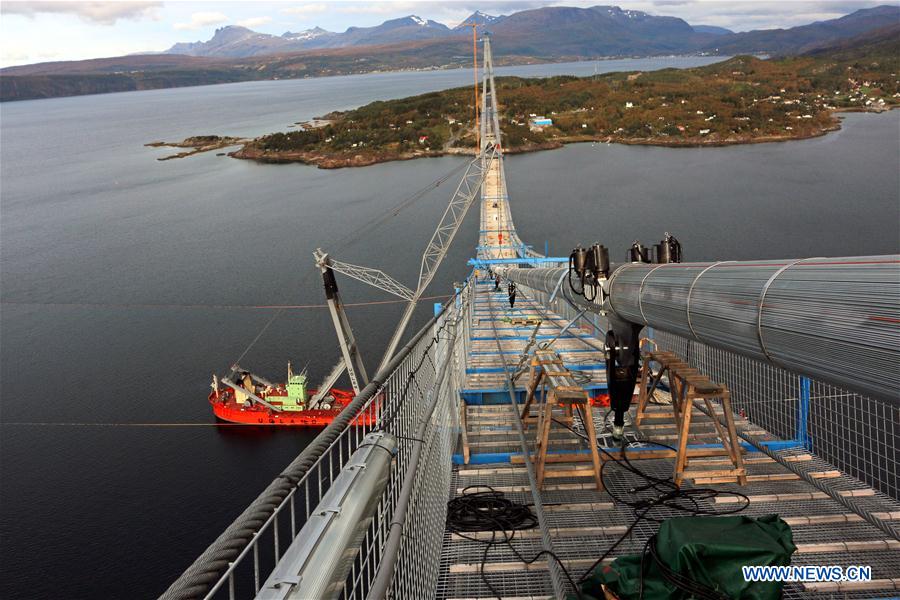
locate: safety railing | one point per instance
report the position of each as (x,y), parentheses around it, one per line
(414,569)
(238,563)
(857,434)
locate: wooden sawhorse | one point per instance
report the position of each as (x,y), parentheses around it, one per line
(687,385)
(559,389)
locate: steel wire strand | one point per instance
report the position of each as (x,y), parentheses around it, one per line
(532,481)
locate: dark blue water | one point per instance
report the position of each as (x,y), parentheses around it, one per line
(126,282)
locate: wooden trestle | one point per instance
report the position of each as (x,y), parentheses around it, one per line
(688,385)
(558,389)
(585,522)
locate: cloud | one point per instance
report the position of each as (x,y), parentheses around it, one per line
(104,13)
(305,9)
(378,8)
(745,15)
(202,19)
(254,22)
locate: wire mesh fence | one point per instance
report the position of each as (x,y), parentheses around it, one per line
(857,434)
(398,407)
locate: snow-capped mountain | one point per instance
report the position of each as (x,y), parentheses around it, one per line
(549,31)
(307,34)
(478,17)
(234,41)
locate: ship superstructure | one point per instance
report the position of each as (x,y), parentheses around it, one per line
(750,388)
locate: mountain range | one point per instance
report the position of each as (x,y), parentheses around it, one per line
(239,42)
(550,32)
(542,34)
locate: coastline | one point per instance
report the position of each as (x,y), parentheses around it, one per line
(94,84)
(338,161)
(197,145)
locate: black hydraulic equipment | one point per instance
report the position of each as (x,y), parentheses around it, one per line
(590,267)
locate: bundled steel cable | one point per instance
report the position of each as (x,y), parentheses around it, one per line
(489,510)
(832,319)
(775,311)
(486,511)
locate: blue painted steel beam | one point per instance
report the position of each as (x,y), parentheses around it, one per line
(505,457)
(568,336)
(803,414)
(519,353)
(494,396)
(529,329)
(483,262)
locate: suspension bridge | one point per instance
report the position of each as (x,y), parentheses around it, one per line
(604,399)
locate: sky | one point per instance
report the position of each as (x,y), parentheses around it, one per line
(33,32)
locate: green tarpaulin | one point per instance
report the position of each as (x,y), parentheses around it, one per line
(706,550)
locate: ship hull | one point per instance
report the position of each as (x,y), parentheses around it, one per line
(227,410)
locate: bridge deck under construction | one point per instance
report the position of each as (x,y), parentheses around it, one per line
(768,437)
(585,523)
(516,329)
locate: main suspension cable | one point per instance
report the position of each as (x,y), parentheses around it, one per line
(355,236)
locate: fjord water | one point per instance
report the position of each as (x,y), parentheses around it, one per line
(126,282)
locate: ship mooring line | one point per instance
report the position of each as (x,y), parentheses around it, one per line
(356,235)
(213,306)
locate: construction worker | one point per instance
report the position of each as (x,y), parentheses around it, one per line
(512,294)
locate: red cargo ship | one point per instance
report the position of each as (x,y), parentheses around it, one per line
(252,401)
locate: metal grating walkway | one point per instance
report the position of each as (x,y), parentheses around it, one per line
(525,325)
(584,523)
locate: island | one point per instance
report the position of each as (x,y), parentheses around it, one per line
(741,100)
(198,144)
